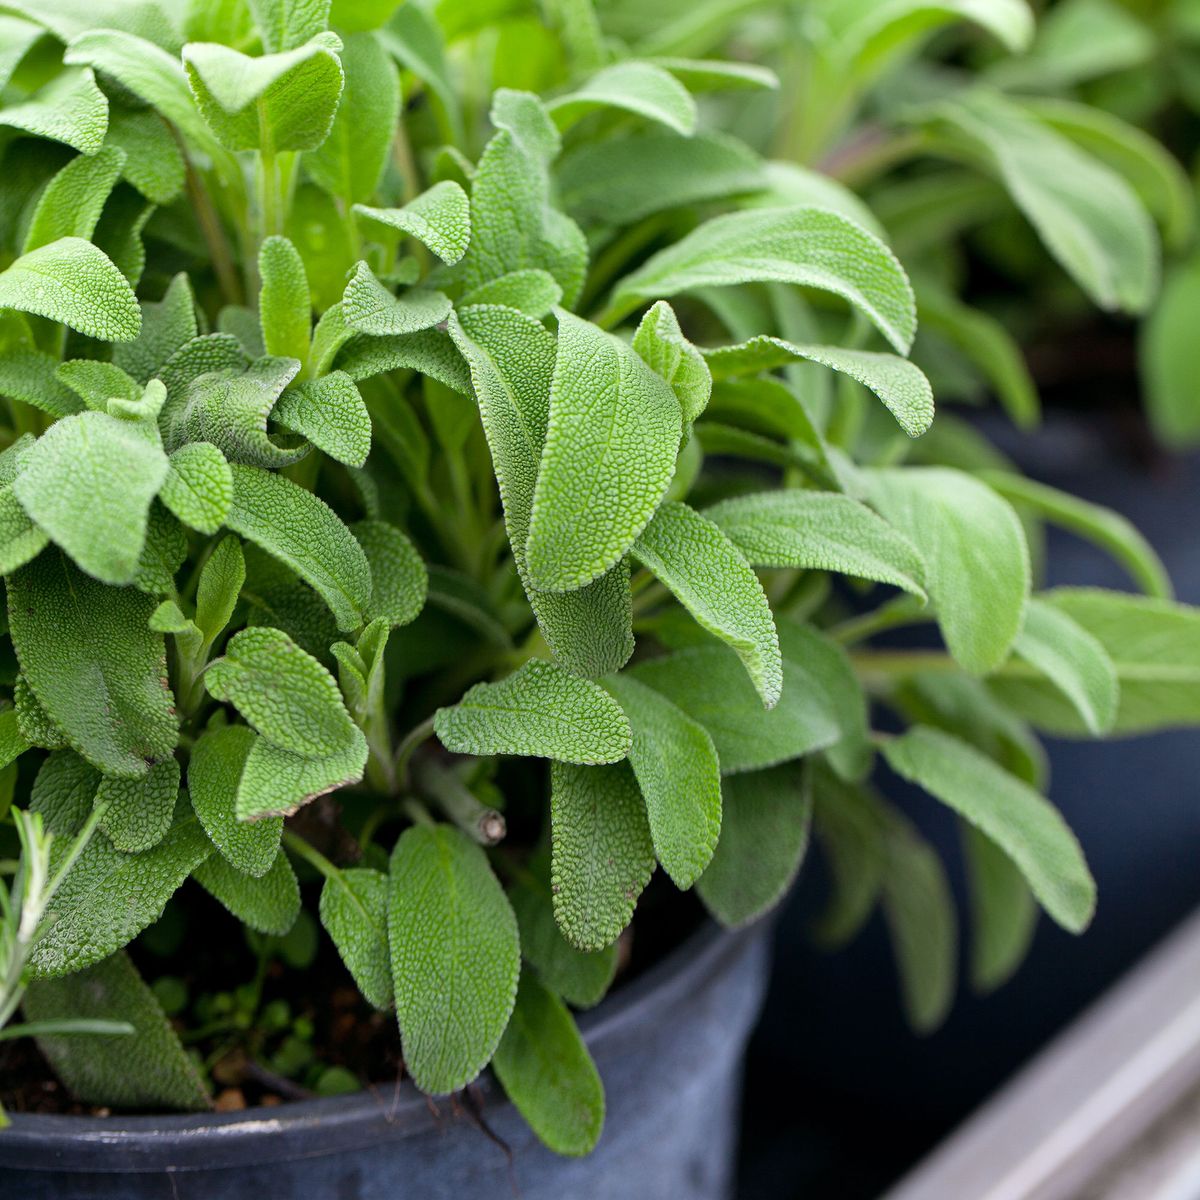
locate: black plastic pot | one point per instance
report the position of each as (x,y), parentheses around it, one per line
(669,1047)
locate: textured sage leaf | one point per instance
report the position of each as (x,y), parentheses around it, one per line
(63,792)
(976,559)
(139,811)
(602,855)
(349,162)
(455,956)
(539,710)
(821,531)
(330,413)
(70,109)
(1103,526)
(547,1073)
(284,307)
(93,663)
(1167,357)
(901,386)
(1154,646)
(286,24)
(580,977)
(1003,911)
(709,684)
(277,782)
(511,357)
(214,773)
(283,101)
(34,722)
(70,204)
(289,697)
(153,161)
(20,539)
(198,487)
(718,75)
(661,344)
(431,352)
(196,373)
(812,247)
(354,908)
(12,741)
(399,580)
(17,36)
(677,770)
(163,555)
(531,291)
(637,87)
(220,583)
(711,579)
(369,307)
(416,40)
(299,529)
(268,903)
(1073,660)
(1022,823)
(96,382)
(146,1069)
(1087,216)
(764,836)
(88,482)
(167,326)
(439,218)
(73,282)
(32,377)
(611,442)
(108,897)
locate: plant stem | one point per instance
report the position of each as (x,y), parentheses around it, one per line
(214,237)
(311,855)
(408,744)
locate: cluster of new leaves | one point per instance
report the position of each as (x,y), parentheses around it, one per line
(357,449)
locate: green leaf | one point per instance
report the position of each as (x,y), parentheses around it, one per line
(368,307)
(455,956)
(637,87)
(430,352)
(399,580)
(1087,216)
(717,75)
(217,592)
(710,686)
(611,443)
(96,382)
(17,37)
(901,386)
(167,327)
(812,247)
(511,357)
(35,723)
(148,1069)
(1022,823)
(1003,911)
(414,38)
(20,539)
(153,161)
(285,24)
(821,531)
(277,782)
(198,487)
(538,710)
(283,101)
(63,793)
(547,1073)
(71,202)
(282,691)
(661,344)
(88,482)
(439,218)
(602,855)
(109,897)
(93,663)
(214,773)
(354,911)
(1168,355)
(976,559)
(139,811)
(677,770)
(1073,660)
(284,307)
(330,413)
(299,529)
(70,109)
(166,548)
(268,903)
(711,579)
(764,836)
(73,282)
(1103,526)
(580,977)
(531,291)
(12,741)
(31,377)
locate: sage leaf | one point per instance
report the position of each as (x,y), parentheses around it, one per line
(602,855)
(330,413)
(661,344)
(198,486)
(439,218)
(354,911)
(637,87)
(268,903)
(399,580)
(277,781)
(284,307)
(63,792)
(1022,823)
(530,291)
(167,326)
(1003,911)
(71,202)
(299,529)
(93,663)
(138,812)
(455,956)
(547,1073)
(764,836)
(370,308)
(611,443)
(214,774)
(153,161)
(33,378)
(70,109)
(220,583)
(96,383)
(539,710)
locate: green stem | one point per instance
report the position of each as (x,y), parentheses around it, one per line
(408,744)
(311,855)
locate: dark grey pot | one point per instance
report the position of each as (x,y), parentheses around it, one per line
(669,1048)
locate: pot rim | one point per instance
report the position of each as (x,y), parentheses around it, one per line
(327,1125)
